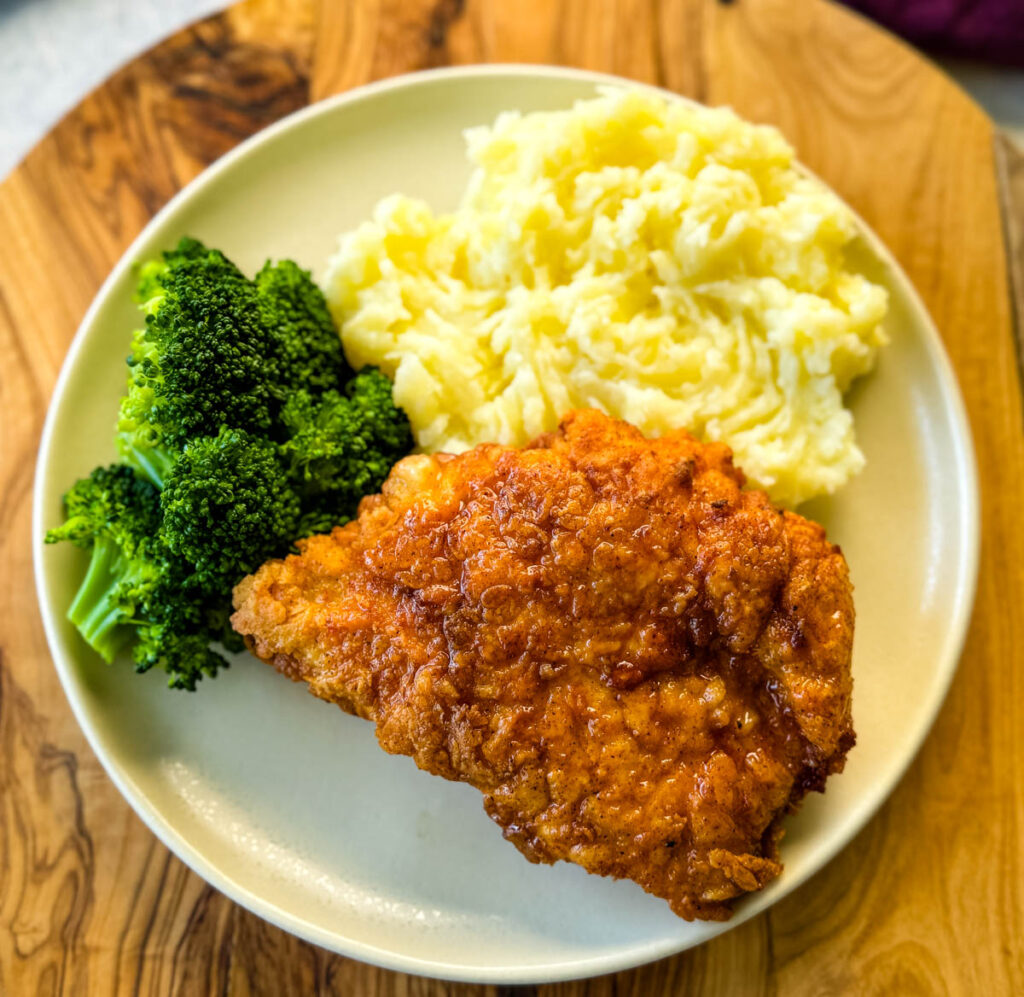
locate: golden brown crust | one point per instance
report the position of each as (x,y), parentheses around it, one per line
(641,666)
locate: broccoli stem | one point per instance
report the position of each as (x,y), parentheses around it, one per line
(95,610)
(153,463)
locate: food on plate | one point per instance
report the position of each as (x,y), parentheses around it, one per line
(136,589)
(219,349)
(242,428)
(640,666)
(661,261)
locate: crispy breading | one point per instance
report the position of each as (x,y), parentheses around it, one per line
(640,666)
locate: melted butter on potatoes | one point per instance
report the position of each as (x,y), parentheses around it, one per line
(660,261)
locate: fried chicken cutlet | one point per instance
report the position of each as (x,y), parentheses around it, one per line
(640,666)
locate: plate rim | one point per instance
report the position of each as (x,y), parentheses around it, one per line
(622,958)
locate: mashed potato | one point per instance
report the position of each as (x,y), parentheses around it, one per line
(659,261)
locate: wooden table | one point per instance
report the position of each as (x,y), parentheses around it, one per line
(929,898)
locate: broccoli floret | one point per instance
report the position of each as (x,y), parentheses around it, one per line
(135,588)
(185,654)
(115,514)
(220,349)
(342,446)
(227,506)
(306,344)
(204,358)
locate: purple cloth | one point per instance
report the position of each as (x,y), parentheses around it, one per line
(984,29)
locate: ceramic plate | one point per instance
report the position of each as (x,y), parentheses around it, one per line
(286,804)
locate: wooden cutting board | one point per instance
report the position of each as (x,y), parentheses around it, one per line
(929,898)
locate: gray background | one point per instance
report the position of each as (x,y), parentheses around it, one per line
(52,52)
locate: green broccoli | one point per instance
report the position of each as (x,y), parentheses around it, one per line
(239,433)
(135,588)
(116,515)
(341,447)
(305,342)
(227,506)
(202,359)
(173,645)
(219,349)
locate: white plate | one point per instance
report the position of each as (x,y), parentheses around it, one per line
(286,804)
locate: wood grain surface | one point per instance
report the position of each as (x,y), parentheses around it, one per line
(929,898)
